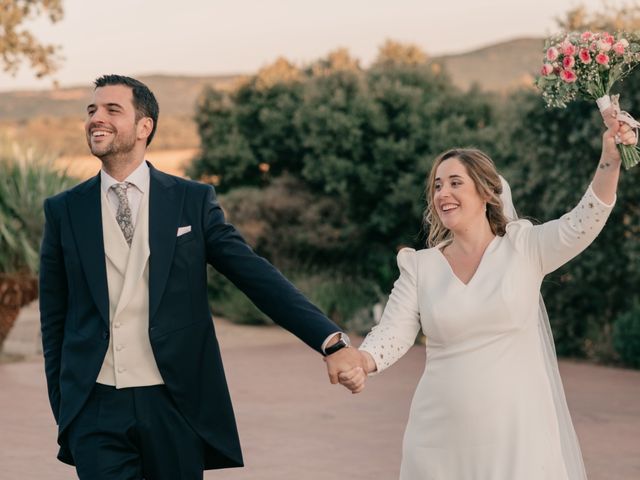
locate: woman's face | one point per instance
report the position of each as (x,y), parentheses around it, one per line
(455,198)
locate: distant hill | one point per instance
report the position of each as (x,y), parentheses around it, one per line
(498,67)
(55,117)
(176,94)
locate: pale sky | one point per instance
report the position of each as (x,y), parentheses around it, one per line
(201,37)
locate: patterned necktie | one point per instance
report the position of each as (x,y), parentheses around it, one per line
(123,216)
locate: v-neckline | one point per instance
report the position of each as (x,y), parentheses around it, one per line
(475,274)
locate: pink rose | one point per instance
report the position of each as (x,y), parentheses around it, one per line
(608,38)
(585,56)
(568,62)
(568,76)
(604,46)
(602,58)
(546,69)
(618,47)
(552,54)
(586,36)
(593,47)
(568,48)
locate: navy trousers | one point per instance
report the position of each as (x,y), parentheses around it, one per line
(133,434)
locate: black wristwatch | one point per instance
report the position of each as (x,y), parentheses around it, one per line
(342,342)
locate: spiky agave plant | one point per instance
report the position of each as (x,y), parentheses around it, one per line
(27,177)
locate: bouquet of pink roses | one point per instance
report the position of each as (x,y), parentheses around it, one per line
(587,65)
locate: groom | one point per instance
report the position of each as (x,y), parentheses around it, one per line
(133,367)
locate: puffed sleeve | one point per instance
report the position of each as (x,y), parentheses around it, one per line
(552,244)
(400,322)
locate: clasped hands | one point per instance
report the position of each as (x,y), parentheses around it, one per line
(350,367)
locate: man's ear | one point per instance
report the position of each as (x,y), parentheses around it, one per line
(144,128)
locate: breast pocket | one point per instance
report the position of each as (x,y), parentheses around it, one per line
(184,238)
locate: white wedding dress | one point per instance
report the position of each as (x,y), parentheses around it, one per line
(484,407)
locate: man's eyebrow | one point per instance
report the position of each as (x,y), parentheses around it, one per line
(110,105)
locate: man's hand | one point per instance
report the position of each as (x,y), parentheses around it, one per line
(355,378)
(345,360)
(350,367)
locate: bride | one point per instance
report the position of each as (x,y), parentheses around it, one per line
(490,404)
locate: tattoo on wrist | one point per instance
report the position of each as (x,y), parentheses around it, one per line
(604,164)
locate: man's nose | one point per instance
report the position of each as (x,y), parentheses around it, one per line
(97,117)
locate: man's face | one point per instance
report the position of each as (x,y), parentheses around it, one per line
(111,126)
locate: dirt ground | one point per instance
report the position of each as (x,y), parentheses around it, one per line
(295,425)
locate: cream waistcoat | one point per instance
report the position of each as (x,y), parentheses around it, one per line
(129,361)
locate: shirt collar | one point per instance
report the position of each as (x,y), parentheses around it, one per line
(138,178)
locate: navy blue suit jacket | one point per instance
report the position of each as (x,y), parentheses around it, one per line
(74,304)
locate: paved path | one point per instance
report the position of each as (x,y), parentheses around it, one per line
(294,425)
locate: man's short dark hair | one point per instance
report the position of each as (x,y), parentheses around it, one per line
(144,101)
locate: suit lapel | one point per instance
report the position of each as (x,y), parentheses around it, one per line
(165,204)
(86,222)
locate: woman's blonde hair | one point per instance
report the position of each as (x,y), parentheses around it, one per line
(483,172)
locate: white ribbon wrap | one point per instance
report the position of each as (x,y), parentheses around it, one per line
(622,116)
(603,103)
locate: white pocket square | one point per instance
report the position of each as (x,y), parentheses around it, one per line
(183,230)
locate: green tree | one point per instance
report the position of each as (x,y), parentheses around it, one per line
(610,17)
(358,139)
(18,45)
(392,53)
(246,134)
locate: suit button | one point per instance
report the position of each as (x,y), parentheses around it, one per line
(105,335)
(119,347)
(117,324)
(121,369)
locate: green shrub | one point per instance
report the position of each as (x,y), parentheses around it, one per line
(626,336)
(291,226)
(27,177)
(228,302)
(347,301)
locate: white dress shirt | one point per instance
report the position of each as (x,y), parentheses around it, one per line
(139,179)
